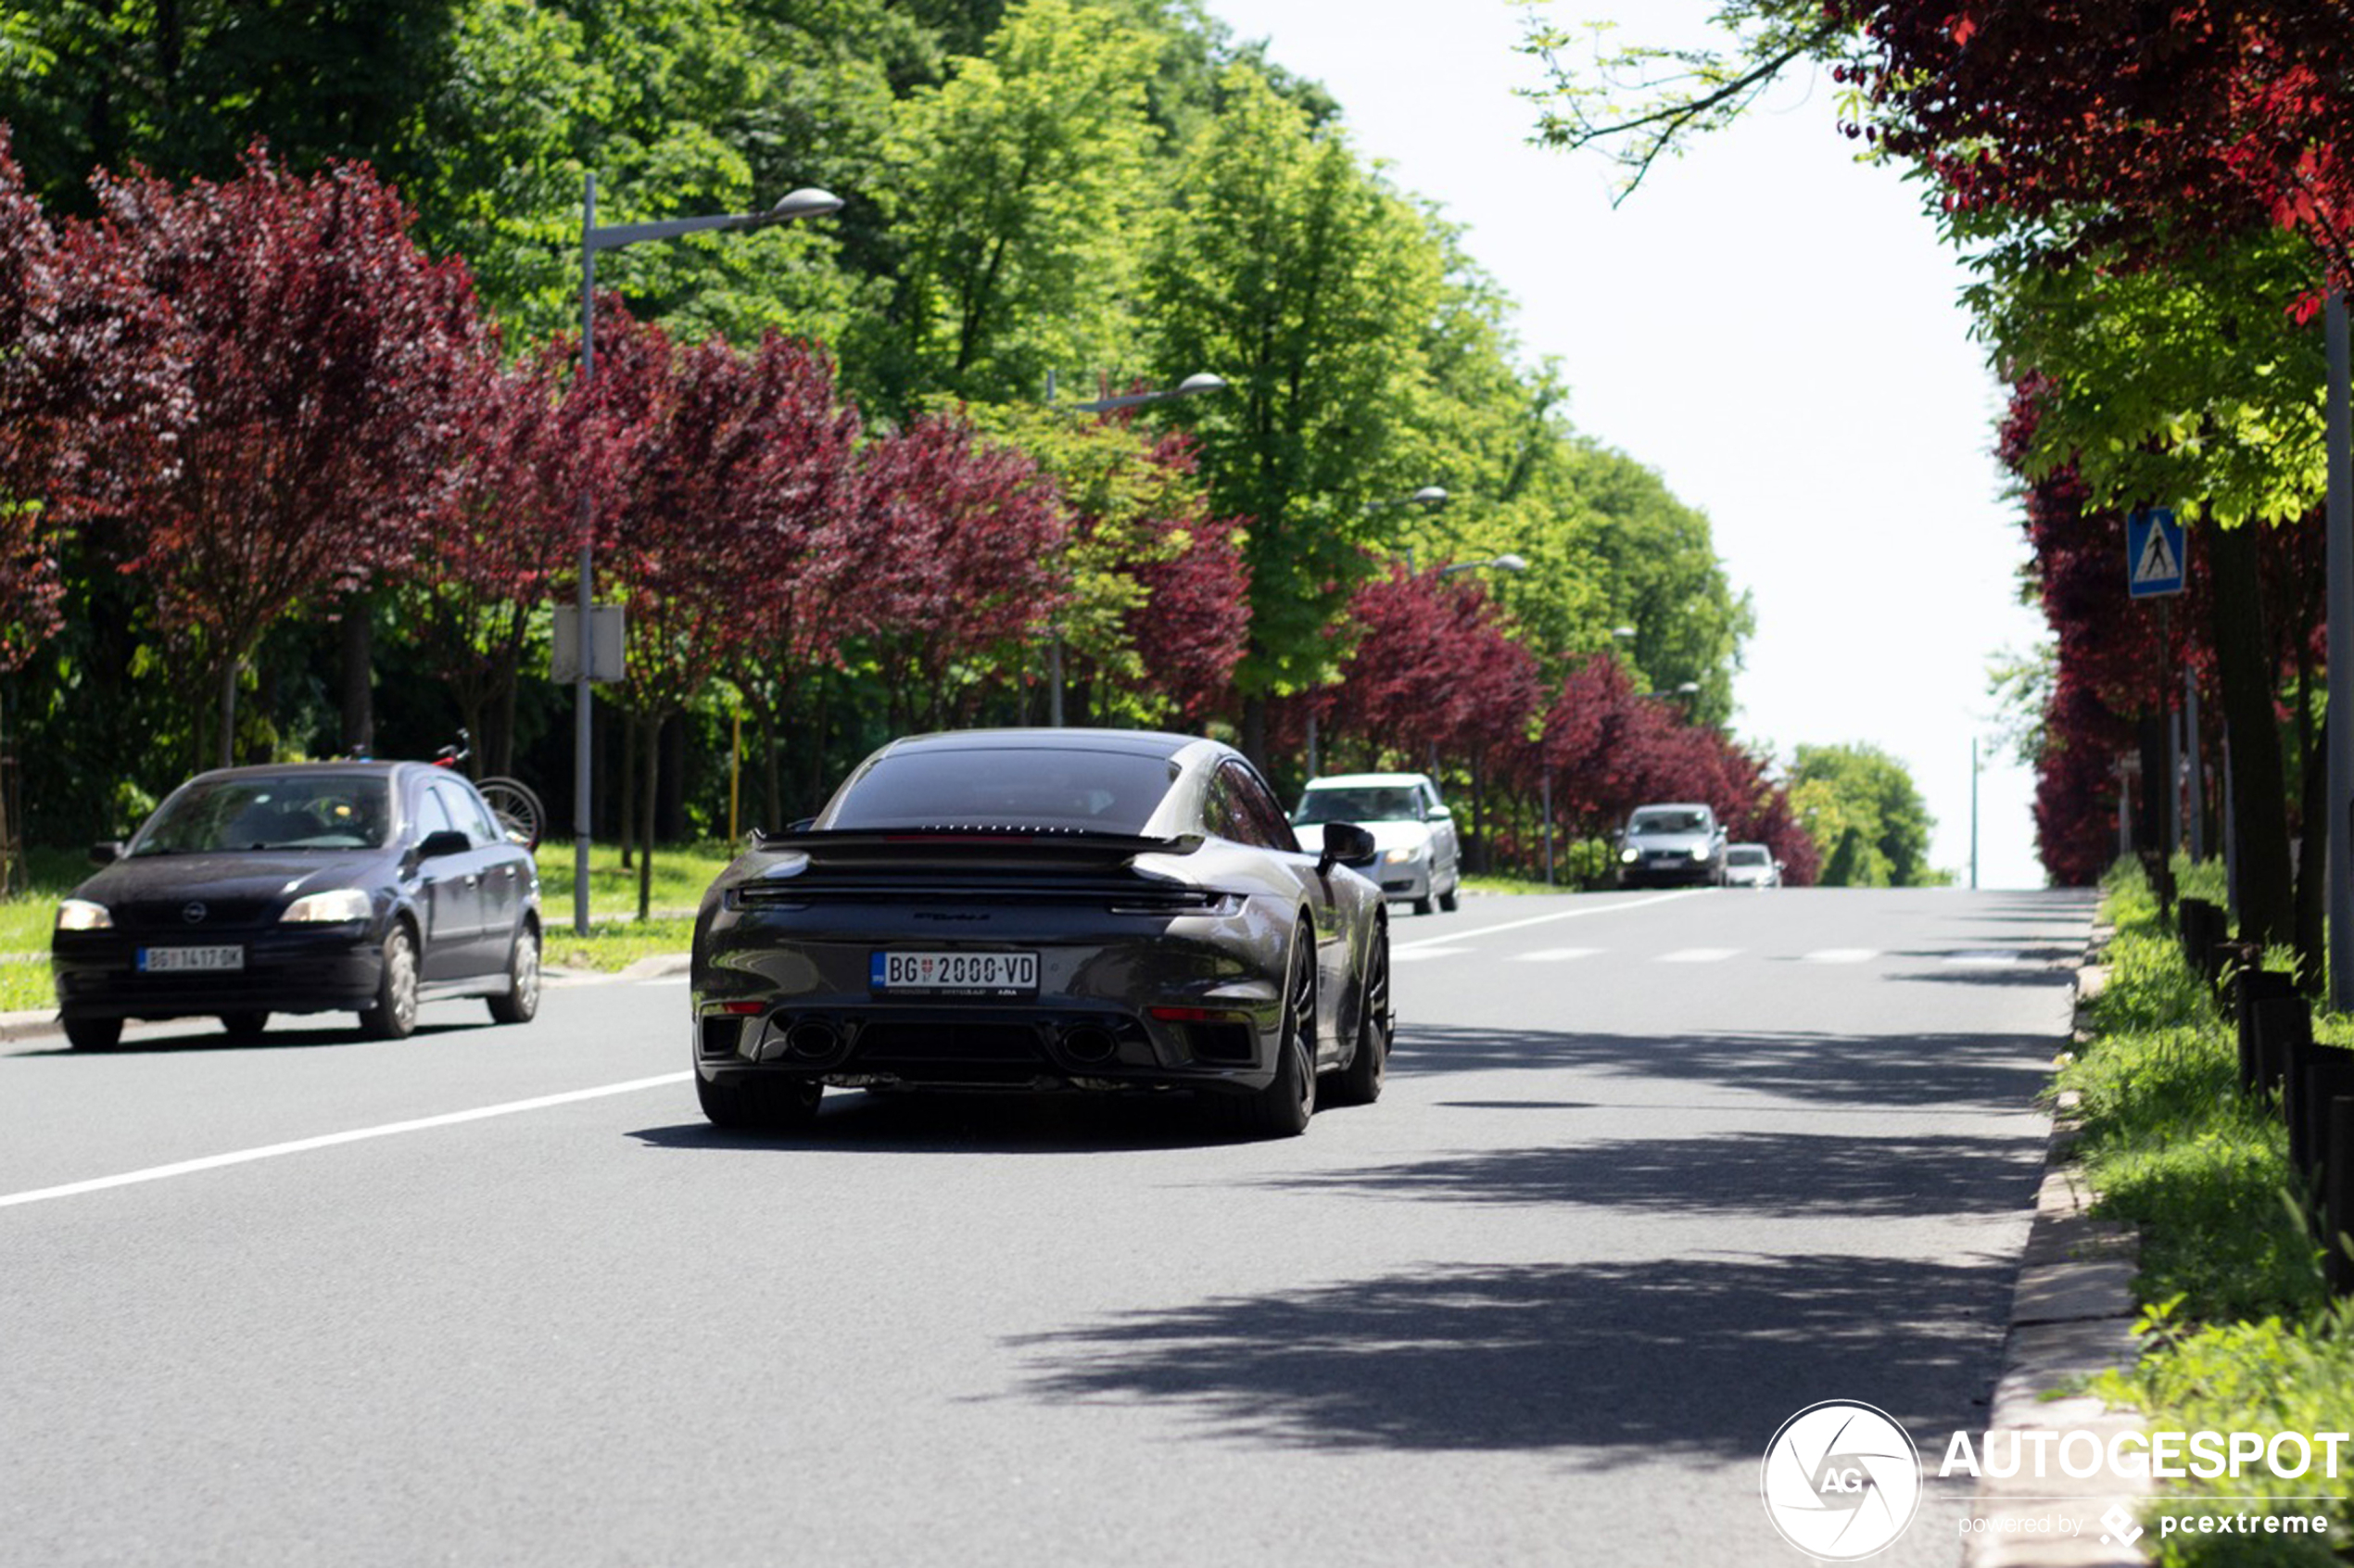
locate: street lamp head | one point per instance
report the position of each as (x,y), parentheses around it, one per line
(1201,381)
(807,202)
(1510,563)
(1431,495)
(1622,631)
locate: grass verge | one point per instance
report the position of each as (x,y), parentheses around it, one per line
(2239,1332)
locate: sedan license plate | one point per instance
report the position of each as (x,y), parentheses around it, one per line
(900,972)
(177,960)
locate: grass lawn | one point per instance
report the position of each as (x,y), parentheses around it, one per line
(617,939)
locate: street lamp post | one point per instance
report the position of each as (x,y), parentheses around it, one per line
(804,203)
(1193,385)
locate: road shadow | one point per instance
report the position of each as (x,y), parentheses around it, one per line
(1625,1362)
(1950,1071)
(1768,1175)
(852,1121)
(206,1035)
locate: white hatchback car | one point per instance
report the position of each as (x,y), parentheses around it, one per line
(1752,865)
(1419,859)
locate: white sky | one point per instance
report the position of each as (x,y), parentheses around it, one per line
(1777,330)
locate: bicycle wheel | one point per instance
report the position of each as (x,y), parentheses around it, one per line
(517,809)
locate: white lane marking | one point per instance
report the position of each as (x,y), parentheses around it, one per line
(1544,920)
(1420,952)
(1985,960)
(1555,955)
(1842,956)
(1696,955)
(330,1140)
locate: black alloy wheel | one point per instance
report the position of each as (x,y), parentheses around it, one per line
(1359,1083)
(764,1102)
(1283,1108)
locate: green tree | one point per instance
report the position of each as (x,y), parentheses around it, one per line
(1287,267)
(1012,190)
(1867,818)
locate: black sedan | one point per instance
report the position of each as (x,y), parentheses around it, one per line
(353,886)
(1043,910)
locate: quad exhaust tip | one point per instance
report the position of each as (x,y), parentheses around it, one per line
(1089,1045)
(813,1039)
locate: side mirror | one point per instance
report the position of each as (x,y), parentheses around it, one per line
(1440,814)
(1345,844)
(447,841)
(106,854)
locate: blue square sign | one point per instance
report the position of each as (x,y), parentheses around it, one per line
(2154,554)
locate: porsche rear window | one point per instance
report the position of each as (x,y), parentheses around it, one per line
(1099,792)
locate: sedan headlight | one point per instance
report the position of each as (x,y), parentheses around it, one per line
(1630,855)
(81,914)
(1402,856)
(328,908)
(1700,851)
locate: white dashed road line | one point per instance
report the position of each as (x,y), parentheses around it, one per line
(1696,955)
(335,1140)
(1842,955)
(1452,937)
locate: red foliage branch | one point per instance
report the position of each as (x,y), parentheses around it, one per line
(319,367)
(967,534)
(2214,114)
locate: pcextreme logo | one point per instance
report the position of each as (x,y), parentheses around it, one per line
(1840,1481)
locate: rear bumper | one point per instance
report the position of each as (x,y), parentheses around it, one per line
(1068,1044)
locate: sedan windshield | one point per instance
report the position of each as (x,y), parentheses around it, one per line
(968,787)
(1366,805)
(1739,856)
(263,812)
(1667,822)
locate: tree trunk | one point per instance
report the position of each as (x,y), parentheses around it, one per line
(358,673)
(2260,802)
(2312,847)
(653,747)
(229,715)
(633,731)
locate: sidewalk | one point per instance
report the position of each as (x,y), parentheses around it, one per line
(2072,1317)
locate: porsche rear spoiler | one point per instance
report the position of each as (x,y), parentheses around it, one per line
(1060,847)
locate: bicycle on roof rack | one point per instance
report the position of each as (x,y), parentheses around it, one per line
(520,815)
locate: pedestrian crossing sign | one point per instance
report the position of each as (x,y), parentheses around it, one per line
(2154,552)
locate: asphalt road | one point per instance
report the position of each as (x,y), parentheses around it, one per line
(1652,1173)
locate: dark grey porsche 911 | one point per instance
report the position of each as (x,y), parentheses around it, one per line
(1043,909)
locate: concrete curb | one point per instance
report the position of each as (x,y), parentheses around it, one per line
(2072,1315)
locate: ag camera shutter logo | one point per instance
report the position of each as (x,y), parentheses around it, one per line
(1840,1481)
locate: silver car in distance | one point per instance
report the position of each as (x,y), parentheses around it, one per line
(1046,909)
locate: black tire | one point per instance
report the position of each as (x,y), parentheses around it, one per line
(1359,1083)
(93,1034)
(395,1014)
(521,1003)
(1424,905)
(245,1025)
(764,1104)
(1452,896)
(1284,1109)
(520,815)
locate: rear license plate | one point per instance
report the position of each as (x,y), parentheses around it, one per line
(900,972)
(176,960)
